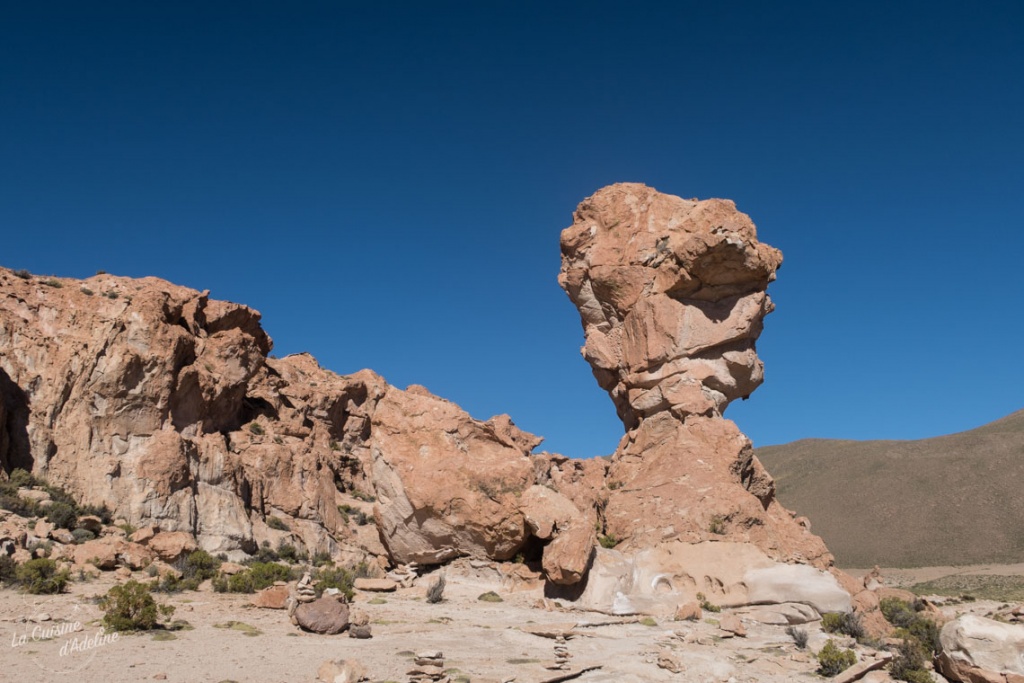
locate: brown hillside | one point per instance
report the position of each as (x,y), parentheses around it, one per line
(953,499)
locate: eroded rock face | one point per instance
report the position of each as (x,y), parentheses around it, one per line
(671,294)
(161,403)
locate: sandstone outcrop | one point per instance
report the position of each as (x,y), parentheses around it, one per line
(164,405)
(672,295)
(979,650)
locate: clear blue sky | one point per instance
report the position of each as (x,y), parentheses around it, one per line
(386,183)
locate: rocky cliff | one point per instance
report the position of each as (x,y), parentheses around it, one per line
(165,406)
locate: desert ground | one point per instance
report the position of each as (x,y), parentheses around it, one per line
(228,639)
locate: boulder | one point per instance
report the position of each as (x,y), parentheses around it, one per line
(375,585)
(171,545)
(797,583)
(326,616)
(108,552)
(447,485)
(91,523)
(273,597)
(980,650)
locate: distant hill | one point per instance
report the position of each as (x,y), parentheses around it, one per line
(948,500)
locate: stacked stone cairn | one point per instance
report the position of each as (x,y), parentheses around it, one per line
(305,592)
(562,655)
(429,667)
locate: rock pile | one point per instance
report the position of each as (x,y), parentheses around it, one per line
(429,666)
(562,655)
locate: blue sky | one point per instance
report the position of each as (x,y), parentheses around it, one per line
(386,183)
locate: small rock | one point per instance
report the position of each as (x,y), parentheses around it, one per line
(62,536)
(160,677)
(668,661)
(123,573)
(730,623)
(361,631)
(340,671)
(689,611)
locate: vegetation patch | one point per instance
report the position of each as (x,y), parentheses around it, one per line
(833,660)
(490,596)
(41,577)
(986,587)
(131,607)
(240,627)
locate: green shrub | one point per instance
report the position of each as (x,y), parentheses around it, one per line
(290,554)
(257,429)
(832,660)
(264,574)
(130,607)
(707,606)
(717,525)
(23,274)
(22,478)
(277,524)
(8,569)
(62,515)
(338,577)
(18,505)
(910,624)
(236,583)
(798,635)
(264,554)
(490,596)
(909,663)
(40,576)
(846,623)
(199,566)
(607,541)
(321,558)
(83,535)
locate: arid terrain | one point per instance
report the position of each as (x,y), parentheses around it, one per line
(480,641)
(948,500)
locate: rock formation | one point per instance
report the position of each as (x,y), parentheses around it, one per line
(162,404)
(165,406)
(672,294)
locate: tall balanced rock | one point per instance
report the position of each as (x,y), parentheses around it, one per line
(671,293)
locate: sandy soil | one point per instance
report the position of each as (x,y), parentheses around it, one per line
(480,641)
(904,578)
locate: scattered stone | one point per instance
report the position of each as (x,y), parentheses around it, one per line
(62,536)
(561,630)
(689,611)
(667,660)
(231,568)
(341,671)
(429,667)
(861,668)
(731,624)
